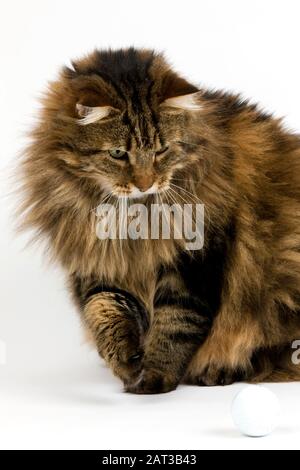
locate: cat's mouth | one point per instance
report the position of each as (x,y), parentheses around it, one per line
(135,193)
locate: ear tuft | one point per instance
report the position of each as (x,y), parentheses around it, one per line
(189,102)
(91,114)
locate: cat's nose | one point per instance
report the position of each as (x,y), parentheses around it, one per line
(144,182)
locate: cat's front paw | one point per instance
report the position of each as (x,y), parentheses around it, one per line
(214,375)
(152,382)
(128,366)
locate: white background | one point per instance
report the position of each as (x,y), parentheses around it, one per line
(55,392)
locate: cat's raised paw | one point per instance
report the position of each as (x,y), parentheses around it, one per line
(129,366)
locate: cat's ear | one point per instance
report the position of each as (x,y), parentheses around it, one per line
(92,100)
(178,94)
(189,102)
(89,114)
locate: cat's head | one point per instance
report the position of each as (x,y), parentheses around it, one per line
(121,119)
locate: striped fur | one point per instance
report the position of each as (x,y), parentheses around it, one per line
(158,314)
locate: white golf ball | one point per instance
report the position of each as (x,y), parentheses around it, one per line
(255,411)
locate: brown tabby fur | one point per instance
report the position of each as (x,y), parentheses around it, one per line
(158,314)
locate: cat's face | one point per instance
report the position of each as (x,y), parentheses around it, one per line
(129,117)
(117,157)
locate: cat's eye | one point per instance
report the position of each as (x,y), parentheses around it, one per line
(162,150)
(117,153)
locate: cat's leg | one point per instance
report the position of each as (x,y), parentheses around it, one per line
(226,355)
(117,323)
(240,349)
(177,330)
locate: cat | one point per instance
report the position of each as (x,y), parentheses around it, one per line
(122,125)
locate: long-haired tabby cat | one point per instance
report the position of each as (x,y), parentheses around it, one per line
(123,124)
